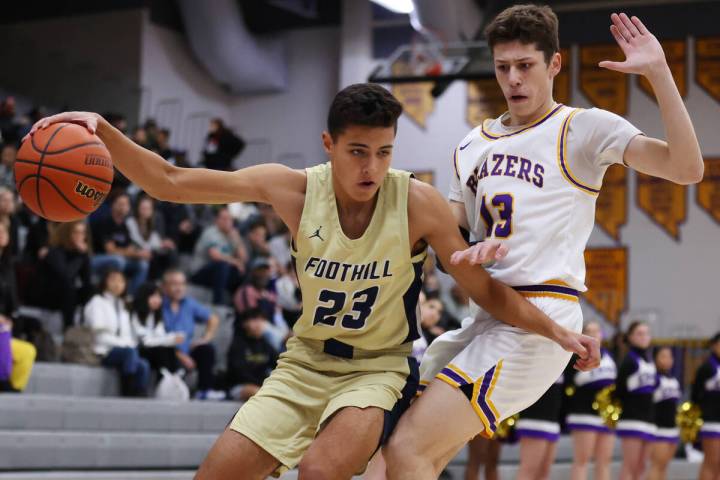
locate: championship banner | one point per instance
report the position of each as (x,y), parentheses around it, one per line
(416,99)
(606,280)
(707,65)
(708,191)
(484,100)
(611,206)
(664,202)
(605,88)
(675,53)
(561,84)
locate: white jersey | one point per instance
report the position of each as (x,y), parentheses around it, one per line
(534,187)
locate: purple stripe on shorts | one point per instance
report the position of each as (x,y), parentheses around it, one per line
(525,432)
(588,427)
(707,434)
(449,373)
(629,433)
(660,438)
(487,379)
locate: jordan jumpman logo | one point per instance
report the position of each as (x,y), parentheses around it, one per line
(317,234)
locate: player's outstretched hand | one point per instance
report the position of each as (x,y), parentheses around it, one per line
(586,347)
(480,253)
(643,52)
(88,120)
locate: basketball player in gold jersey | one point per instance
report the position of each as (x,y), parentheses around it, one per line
(360,232)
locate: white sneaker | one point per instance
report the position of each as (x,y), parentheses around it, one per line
(215,395)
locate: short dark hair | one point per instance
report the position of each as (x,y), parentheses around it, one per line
(528,24)
(366,104)
(715,339)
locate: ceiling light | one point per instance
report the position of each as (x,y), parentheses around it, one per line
(397,6)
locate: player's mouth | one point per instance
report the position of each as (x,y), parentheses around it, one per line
(366,184)
(518,98)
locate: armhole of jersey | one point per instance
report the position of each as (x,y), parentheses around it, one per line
(562,158)
(294,242)
(406,229)
(455,163)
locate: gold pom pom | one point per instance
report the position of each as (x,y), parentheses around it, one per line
(569,391)
(505,427)
(608,407)
(689,421)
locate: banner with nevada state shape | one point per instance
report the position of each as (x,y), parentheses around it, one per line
(484,100)
(708,191)
(675,53)
(707,65)
(605,88)
(416,99)
(611,207)
(562,93)
(663,201)
(607,281)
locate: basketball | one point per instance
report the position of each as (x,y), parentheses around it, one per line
(63,172)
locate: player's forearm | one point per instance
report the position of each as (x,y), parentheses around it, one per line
(683,146)
(508,306)
(141,166)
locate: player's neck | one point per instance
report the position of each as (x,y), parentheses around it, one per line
(354,216)
(517,120)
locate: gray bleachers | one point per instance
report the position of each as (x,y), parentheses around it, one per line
(73,380)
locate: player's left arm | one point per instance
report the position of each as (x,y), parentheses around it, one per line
(678,159)
(431,220)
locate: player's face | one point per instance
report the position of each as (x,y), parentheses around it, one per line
(525,78)
(360,158)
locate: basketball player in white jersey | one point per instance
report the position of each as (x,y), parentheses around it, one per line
(529,179)
(360,233)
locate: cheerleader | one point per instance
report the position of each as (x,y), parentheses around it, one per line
(483,452)
(591,437)
(538,429)
(666,397)
(635,385)
(706,393)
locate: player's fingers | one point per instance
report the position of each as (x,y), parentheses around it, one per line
(617,66)
(617,36)
(640,25)
(501,252)
(629,25)
(458,257)
(479,255)
(618,23)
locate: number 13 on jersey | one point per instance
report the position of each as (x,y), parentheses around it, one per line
(502,205)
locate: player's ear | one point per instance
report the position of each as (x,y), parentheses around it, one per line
(328,142)
(555,64)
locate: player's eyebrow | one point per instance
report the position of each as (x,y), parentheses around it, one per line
(523,59)
(367,146)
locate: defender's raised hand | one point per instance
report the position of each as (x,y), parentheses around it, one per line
(643,53)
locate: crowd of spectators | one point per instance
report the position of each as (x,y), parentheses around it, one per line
(127,278)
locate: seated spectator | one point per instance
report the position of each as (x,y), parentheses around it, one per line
(289,297)
(156,344)
(9,125)
(219,258)
(181,313)
(182,224)
(457,304)
(63,276)
(114,247)
(255,292)
(9,218)
(37,241)
(255,237)
(162,138)
(147,231)
(109,319)
(221,146)
(430,314)
(251,357)
(16,359)
(8,154)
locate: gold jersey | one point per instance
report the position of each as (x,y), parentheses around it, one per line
(358,294)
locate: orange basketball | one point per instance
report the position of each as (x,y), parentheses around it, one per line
(63,172)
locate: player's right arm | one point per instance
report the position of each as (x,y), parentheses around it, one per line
(431,219)
(274,184)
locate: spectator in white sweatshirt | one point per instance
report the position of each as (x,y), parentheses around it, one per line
(108,316)
(156,344)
